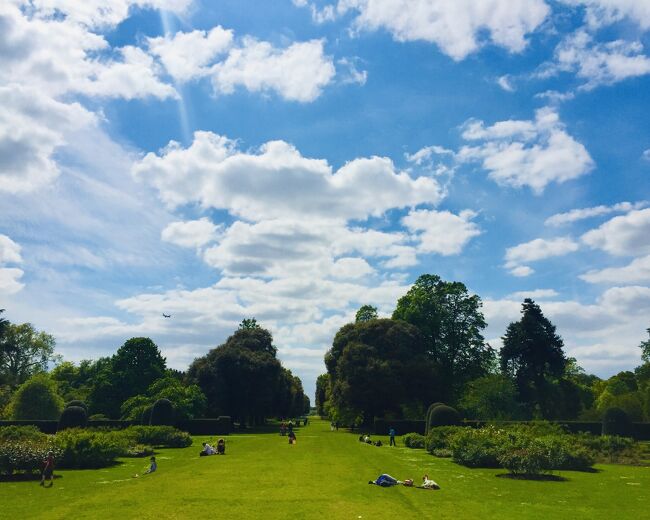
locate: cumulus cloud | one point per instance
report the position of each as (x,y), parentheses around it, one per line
(637,271)
(441,232)
(187,55)
(526,153)
(539,249)
(599,63)
(191,233)
(9,251)
(276,181)
(574,215)
(458,28)
(606,12)
(625,235)
(534,294)
(297,73)
(10,276)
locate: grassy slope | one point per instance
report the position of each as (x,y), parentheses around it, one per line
(324,475)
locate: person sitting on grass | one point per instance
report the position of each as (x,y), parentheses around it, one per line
(292,437)
(427,483)
(48,469)
(207,450)
(221,447)
(153,466)
(378,443)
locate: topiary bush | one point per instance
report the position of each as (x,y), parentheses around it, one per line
(413,440)
(427,417)
(443,415)
(616,422)
(162,413)
(73,417)
(77,402)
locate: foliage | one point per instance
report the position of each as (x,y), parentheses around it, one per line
(23,352)
(478,448)
(83,449)
(527,456)
(427,417)
(20,434)
(165,436)
(616,422)
(77,402)
(162,413)
(444,415)
(322,394)
(492,397)
(73,417)
(413,440)
(645,349)
(451,322)
(36,398)
(25,455)
(366,313)
(439,438)
(532,354)
(136,365)
(139,450)
(376,367)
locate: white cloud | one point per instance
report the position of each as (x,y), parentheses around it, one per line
(9,276)
(441,232)
(539,249)
(192,233)
(574,215)
(457,28)
(527,153)
(555,97)
(351,268)
(505,82)
(278,182)
(623,235)
(521,271)
(646,154)
(297,73)
(606,12)
(534,294)
(350,74)
(637,271)
(426,153)
(599,63)
(9,251)
(187,55)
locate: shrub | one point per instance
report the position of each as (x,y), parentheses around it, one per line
(477,448)
(84,449)
(139,450)
(162,413)
(21,433)
(165,436)
(427,417)
(413,440)
(610,448)
(528,456)
(535,428)
(73,417)
(438,438)
(36,398)
(25,455)
(441,453)
(444,415)
(616,422)
(77,402)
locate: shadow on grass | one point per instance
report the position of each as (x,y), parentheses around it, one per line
(24,477)
(544,478)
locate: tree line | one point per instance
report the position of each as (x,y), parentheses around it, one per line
(432,350)
(241,378)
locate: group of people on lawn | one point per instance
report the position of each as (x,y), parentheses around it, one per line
(209,450)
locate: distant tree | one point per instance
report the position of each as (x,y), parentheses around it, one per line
(533,355)
(645,349)
(366,313)
(322,394)
(36,399)
(492,397)
(249,324)
(136,365)
(189,401)
(451,322)
(23,352)
(376,367)
(252,337)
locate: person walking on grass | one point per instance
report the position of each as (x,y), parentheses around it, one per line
(48,469)
(391,434)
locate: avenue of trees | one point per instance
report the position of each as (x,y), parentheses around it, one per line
(432,350)
(241,378)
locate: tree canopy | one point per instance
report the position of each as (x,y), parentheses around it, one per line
(24,351)
(366,313)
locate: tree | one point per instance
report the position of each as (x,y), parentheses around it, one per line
(136,365)
(451,322)
(322,394)
(36,399)
(23,352)
(366,313)
(492,397)
(376,367)
(645,349)
(532,354)
(189,402)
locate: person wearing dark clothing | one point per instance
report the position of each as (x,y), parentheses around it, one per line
(221,447)
(391,434)
(48,469)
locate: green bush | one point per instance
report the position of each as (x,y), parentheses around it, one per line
(20,434)
(441,453)
(77,402)
(438,438)
(444,415)
(84,449)
(413,440)
(162,413)
(139,450)
(165,436)
(477,448)
(427,417)
(528,456)
(73,417)
(616,422)
(36,398)
(25,455)
(610,448)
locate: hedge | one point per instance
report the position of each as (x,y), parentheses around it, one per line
(382,426)
(220,426)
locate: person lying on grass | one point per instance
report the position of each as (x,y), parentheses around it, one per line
(385,480)
(152,467)
(427,483)
(48,469)
(207,450)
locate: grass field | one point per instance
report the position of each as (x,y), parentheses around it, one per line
(324,475)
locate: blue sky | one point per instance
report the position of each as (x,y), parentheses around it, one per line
(293,160)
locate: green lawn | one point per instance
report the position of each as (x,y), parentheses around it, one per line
(324,475)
